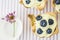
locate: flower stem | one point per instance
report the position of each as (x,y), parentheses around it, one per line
(14,29)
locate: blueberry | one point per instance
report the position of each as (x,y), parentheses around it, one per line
(50,21)
(49,31)
(39,17)
(43,23)
(39,0)
(27,1)
(39,31)
(57,1)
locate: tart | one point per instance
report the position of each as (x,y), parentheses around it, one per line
(44,25)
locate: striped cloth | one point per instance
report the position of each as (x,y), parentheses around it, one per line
(7,6)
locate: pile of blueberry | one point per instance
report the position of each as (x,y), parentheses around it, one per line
(43,23)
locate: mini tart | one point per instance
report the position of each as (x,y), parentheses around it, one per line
(56,6)
(27,5)
(35,25)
